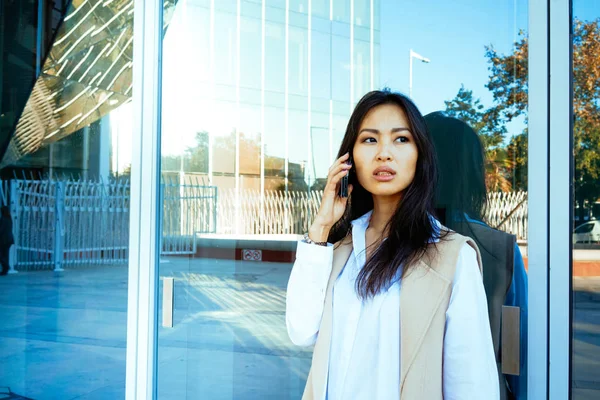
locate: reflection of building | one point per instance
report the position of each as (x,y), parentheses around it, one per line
(273,93)
(195,161)
(279,93)
(274,99)
(86,75)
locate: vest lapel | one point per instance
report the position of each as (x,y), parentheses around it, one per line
(422,292)
(320,364)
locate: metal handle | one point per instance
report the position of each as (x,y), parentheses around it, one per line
(511,340)
(167,303)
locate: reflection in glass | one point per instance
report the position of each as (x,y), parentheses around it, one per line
(585,358)
(259,107)
(65,180)
(462,203)
(86,75)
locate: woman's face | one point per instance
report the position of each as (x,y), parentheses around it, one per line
(385,153)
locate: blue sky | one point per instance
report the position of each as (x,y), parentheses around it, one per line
(453,34)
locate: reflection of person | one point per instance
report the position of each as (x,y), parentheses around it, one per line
(396,308)
(460,203)
(6,239)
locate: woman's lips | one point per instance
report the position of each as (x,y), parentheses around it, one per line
(384,174)
(384,177)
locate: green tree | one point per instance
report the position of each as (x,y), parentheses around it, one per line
(194,159)
(508,83)
(516,152)
(489,125)
(197,156)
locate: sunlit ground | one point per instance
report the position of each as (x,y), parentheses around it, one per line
(63,336)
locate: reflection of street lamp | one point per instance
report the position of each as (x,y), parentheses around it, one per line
(419,57)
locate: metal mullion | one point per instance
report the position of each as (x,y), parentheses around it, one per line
(538,195)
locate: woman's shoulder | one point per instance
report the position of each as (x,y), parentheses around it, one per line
(444,256)
(452,241)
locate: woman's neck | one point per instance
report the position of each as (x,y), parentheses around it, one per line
(384,208)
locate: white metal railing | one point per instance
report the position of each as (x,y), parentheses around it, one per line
(189,207)
(293,212)
(507,211)
(72,223)
(69,222)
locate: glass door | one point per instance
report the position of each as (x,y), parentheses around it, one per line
(585,350)
(256,96)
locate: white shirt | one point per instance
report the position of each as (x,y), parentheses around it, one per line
(365,343)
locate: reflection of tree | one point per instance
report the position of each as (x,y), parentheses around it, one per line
(198,155)
(125,175)
(195,158)
(296,182)
(319,184)
(491,131)
(509,86)
(516,151)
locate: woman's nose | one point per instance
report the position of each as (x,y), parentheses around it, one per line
(384,153)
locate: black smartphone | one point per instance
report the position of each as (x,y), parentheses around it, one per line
(344,181)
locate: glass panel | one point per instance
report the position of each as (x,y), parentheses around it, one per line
(585,358)
(64,193)
(482,192)
(252,155)
(18,45)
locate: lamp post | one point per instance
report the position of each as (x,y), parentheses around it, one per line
(419,57)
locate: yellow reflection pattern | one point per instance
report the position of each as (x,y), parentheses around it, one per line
(87,74)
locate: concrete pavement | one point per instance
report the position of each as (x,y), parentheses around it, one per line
(63,335)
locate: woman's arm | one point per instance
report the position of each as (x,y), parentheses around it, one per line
(470,370)
(306,292)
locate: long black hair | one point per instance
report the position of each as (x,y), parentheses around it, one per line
(411,228)
(461,187)
(461,196)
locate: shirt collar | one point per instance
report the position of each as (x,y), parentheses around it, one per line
(362,223)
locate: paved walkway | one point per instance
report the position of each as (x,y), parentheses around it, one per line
(63,336)
(586,338)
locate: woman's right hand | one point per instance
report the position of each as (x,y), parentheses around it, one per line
(332,205)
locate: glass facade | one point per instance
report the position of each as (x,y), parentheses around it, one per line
(585,257)
(66,161)
(270,97)
(157,187)
(255,101)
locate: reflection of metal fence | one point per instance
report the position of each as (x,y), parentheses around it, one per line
(33,209)
(507,211)
(293,212)
(59,223)
(82,223)
(77,223)
(276,212)
(187,209)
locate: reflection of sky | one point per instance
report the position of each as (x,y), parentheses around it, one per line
(451,33)
(586,9)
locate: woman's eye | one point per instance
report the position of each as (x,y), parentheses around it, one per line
(370,140)
(402,139)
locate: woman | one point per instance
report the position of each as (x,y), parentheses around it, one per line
(396,308)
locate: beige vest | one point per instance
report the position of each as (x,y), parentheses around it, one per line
(424,297)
